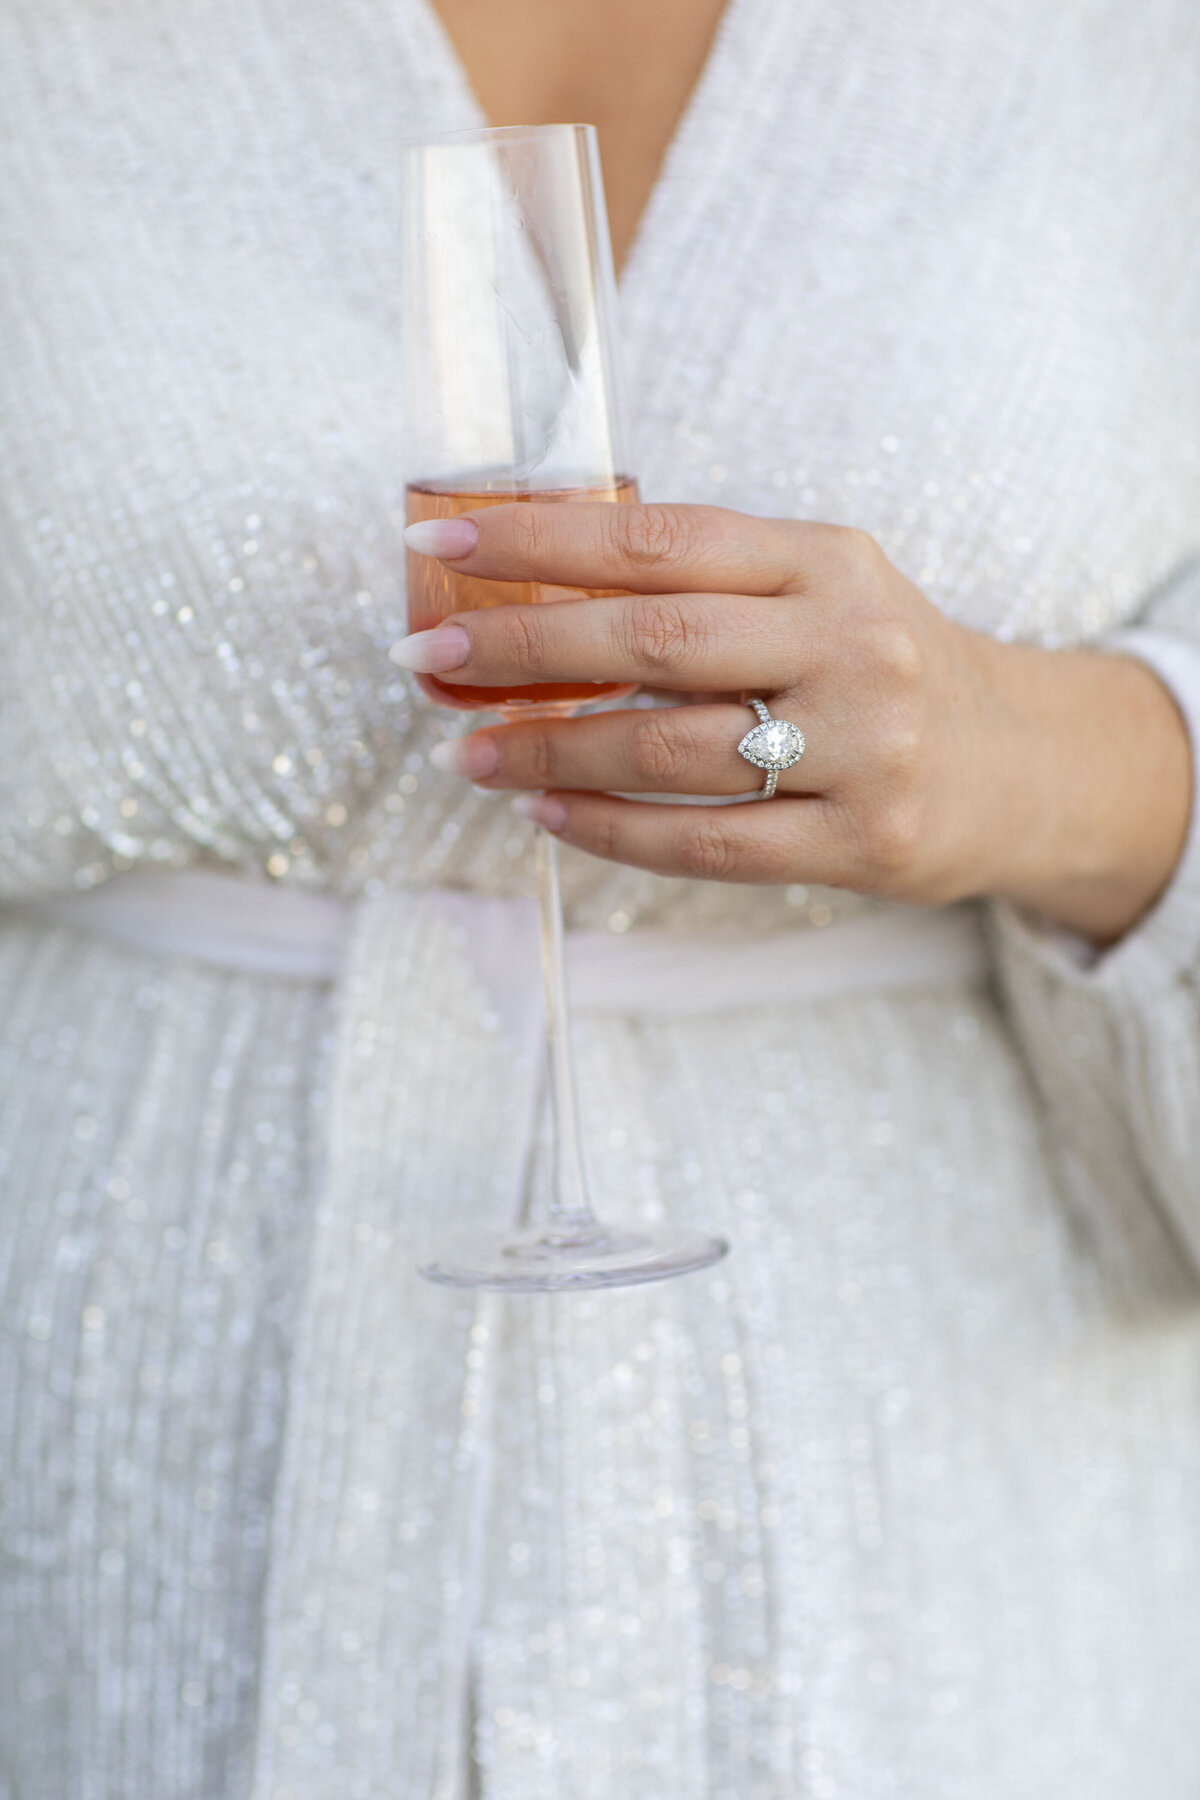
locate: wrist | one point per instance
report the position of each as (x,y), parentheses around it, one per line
(1092,792)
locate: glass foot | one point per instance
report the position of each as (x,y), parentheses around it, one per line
(552,1259)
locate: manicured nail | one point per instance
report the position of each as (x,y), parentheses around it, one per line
(432,652)
(542,810)
(442,537)
(473,756)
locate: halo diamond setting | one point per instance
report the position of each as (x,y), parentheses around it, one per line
(773,745)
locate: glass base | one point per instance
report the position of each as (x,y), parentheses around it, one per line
(552,1259)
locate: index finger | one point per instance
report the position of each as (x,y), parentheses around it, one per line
(646,549)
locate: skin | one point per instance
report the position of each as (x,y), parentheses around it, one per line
(941,764)
(627,66)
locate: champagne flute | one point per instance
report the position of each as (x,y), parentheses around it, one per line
(511,378)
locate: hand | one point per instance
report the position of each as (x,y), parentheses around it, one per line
(940,764)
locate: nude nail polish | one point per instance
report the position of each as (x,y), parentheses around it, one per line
(551,814)
(432,652)
(474,757)
(447,538)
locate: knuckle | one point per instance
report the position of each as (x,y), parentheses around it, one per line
(860,550)
(821,544)
(661,634)
(844,560)
(523,639)
(544,760)
(658,752)
(706,851)
(896,652)
(893,732)
(527,532)
(898,749)
(602,835)
(891,839)
(648,536)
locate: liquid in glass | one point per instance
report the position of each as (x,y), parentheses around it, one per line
(436,589)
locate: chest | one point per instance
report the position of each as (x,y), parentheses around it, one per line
(625,66)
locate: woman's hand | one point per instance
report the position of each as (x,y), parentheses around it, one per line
(939,763)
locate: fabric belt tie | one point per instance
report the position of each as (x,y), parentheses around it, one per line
(261,929)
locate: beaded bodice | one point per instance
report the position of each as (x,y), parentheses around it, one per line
(953,318)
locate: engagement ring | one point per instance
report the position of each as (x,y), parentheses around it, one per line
(773,745)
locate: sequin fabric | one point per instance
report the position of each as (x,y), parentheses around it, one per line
(902,1500)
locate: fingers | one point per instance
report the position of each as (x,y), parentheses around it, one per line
(772,841)
(670,750)
(715,642)
(649,549)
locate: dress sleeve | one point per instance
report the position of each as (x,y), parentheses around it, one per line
(1113,1039)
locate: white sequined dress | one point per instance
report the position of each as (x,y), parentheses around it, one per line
(902,1502)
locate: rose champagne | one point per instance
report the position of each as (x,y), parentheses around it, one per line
(436,589)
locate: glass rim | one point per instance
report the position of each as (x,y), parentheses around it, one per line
(488,134)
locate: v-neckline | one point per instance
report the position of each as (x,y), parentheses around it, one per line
(658,222)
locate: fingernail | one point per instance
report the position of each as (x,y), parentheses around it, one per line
(473,756)
(542,810)
(442,537)
(432,652)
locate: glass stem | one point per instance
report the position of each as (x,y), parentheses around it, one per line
(569,1204)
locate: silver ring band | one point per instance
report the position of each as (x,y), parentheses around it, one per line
(773,745)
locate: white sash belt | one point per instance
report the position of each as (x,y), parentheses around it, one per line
(252,926)
(230,922)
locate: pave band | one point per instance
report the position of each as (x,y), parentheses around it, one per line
(773,745)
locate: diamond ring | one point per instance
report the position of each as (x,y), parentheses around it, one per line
(773,745)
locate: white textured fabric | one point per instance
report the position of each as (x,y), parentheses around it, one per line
(901,1501)
(209,918)
(270,930)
